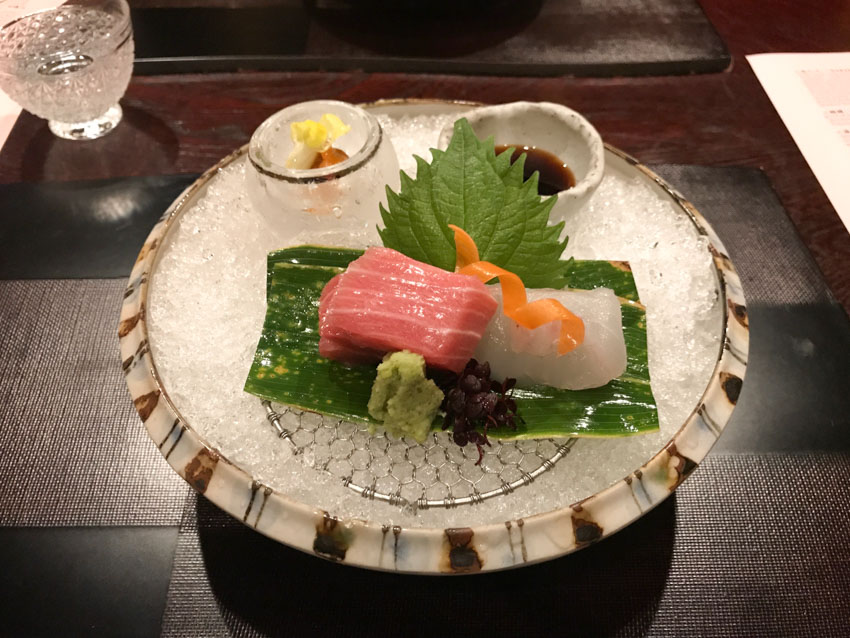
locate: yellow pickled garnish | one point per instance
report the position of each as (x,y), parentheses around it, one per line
(312,138)
(309,133)
(336,127)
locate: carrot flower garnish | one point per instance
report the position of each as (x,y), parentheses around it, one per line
(514,300)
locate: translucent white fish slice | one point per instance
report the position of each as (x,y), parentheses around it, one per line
(531,356)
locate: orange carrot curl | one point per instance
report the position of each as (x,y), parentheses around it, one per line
(514,300)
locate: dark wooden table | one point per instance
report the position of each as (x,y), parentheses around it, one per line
(185,123)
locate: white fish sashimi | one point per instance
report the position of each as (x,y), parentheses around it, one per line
(531,356)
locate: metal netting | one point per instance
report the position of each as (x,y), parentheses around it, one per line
(402,472)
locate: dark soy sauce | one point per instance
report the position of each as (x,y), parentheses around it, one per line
(555,176)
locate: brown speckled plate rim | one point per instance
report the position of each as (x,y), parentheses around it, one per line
(430,550)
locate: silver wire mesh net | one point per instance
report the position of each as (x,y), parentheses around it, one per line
(402,472)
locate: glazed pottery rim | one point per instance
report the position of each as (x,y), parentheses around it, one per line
(493,546)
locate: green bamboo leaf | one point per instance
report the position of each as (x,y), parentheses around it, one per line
(287,367)
(616,275)
(582,274)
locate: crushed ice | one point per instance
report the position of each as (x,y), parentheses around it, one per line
(207,305)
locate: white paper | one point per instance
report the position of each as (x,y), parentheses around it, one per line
(811,93)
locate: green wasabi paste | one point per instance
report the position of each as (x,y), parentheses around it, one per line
(402,398)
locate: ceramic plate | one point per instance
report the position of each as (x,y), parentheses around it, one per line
(460,549)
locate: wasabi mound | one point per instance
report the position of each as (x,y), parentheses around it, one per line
(403,400)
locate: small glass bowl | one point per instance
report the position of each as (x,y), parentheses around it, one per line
(337,204)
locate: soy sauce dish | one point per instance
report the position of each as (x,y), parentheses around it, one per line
(559,142)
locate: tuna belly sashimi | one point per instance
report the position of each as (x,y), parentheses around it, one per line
(531,356)
(386,302)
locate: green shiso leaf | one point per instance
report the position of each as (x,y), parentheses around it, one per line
(287,367)
(470,186)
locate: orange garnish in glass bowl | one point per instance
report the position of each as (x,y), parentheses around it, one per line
(329,157)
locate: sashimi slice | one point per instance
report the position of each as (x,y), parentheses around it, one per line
(528,313)
(385,302)
(344,352)
(531,356)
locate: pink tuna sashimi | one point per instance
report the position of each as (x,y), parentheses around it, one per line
(386,302)
(340,349)
(344,352)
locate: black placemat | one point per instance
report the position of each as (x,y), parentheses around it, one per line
(749,546)
(103,581)
(73,451)
(83,229)
(754,543)
(539,37)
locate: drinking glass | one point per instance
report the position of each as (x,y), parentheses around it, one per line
(70,65)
